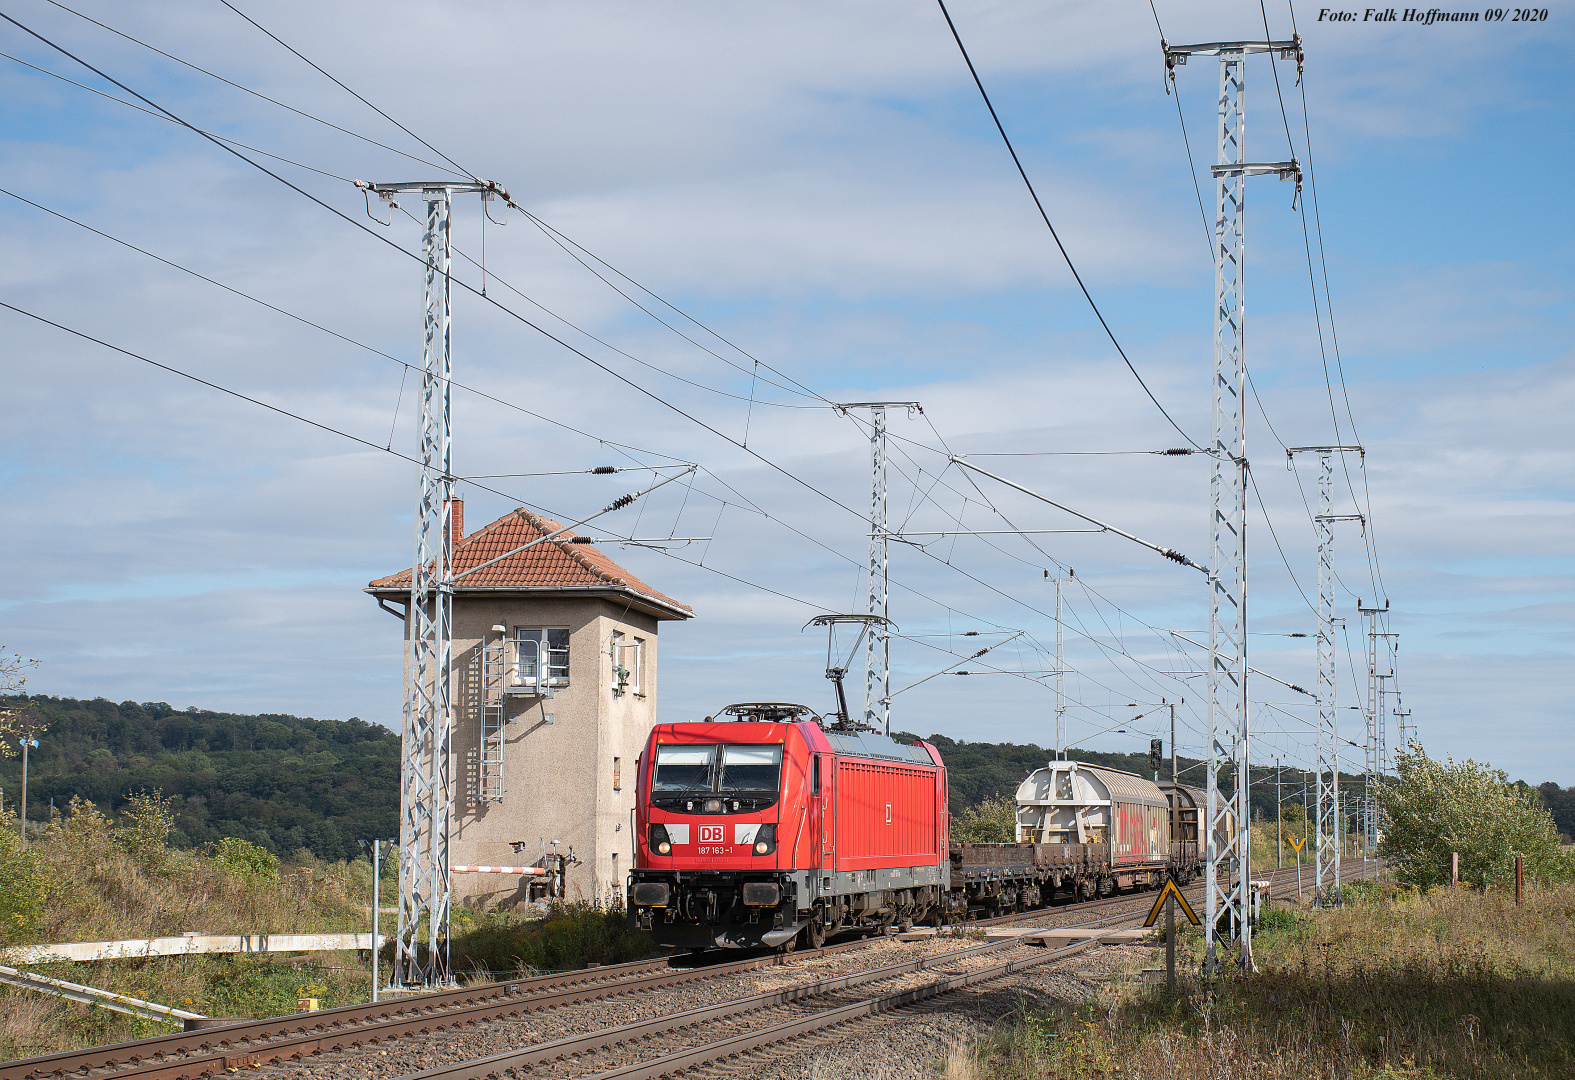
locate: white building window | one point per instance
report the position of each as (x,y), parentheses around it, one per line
(628,662)
(541,652)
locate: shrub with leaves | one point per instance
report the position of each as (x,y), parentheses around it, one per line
(993,821)
(1434,807)
(146,822)
(15,723)
(21,889)
(242,859)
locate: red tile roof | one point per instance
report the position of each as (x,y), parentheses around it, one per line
(551,564)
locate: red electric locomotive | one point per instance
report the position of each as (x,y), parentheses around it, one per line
(767,828)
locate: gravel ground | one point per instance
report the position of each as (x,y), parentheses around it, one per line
(413,1054)
(913,1043)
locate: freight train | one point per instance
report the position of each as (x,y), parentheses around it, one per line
(774,827)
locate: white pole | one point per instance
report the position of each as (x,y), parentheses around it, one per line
(377,903)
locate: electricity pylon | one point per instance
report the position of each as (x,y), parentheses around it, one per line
(1227,848)
(1376,688)
(877,646)
(426,797)
(1326,833)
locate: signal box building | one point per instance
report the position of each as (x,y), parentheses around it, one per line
(554,691)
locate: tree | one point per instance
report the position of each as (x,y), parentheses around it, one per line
(14,714)
(993,821)
(1437,807)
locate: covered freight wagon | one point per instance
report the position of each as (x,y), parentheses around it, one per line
(1191,804)
(1068,802)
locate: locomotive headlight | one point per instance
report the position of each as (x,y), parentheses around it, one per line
(661,843)
(765,839)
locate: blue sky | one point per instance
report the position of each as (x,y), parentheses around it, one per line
(820,185)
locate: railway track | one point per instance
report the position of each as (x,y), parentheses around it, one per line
(634,1037)
(1350,870)
(183,1055)
(734,1046)
(251,1044)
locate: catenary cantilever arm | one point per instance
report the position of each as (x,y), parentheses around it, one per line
(617,504)
(1170,553)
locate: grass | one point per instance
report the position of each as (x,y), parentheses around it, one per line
(211,985)
(90,879)
(569,937)
(1454,983)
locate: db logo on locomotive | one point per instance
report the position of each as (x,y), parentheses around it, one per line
(712,834)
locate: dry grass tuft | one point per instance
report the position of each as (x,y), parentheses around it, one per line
(94,880)
(1448,984)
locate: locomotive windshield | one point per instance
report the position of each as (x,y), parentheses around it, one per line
(749,768)
(683,768)
(731,767)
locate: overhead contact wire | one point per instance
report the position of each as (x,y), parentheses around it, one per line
(1021,171)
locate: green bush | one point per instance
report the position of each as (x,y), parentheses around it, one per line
(21,889)
(1434,808)
(1278,921)
(146,822)
(244,986)
(245,860)
(571,936)
(993,821)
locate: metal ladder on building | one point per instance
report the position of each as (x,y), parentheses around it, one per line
(494,669)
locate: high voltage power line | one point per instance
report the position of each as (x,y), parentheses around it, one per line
(983,501)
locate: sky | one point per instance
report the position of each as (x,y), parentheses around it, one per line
(732,217)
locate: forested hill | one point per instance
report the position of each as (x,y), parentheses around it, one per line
(284,782)
(291,782)
(979,770)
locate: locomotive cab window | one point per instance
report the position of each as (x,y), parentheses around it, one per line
(750,768)
(683,768)
(713,779)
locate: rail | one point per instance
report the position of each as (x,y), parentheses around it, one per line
(187,1056)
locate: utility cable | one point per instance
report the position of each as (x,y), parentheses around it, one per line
(406,365)
(470,288)
(457,167)
(330,429)
(553,234)
(247,89)
(463,284)
(493,274)
(161,116)
(1252,479)
(575,250)
(1053,234)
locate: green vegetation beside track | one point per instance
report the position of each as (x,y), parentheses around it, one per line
(1450,983)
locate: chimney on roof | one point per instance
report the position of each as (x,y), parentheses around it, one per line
(456,520)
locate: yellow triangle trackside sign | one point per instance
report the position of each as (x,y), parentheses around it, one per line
(1295,843)
(1159,904)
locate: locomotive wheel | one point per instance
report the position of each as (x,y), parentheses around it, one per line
(791,943)
(815,931)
